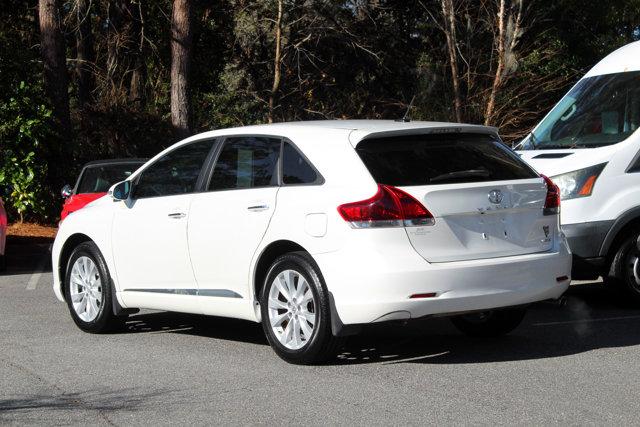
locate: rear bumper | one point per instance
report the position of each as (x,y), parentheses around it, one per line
(586,240)
(371,288)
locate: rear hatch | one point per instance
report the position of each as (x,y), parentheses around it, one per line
(486,202)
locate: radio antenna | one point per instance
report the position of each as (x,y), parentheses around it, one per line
(405,118)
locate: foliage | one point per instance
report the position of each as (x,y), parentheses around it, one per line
(339,59)
(24,127)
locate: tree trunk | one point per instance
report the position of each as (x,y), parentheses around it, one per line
(181,39)
(85,55)
(55,66)
(450,33)
(497,79)
(139,72)
(277,58)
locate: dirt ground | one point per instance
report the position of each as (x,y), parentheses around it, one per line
(26,229)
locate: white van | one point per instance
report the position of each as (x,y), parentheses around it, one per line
(589,145)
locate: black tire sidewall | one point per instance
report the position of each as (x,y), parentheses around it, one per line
(102,321)
(322,330)
(621,259)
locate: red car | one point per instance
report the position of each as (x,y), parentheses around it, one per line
(95,180)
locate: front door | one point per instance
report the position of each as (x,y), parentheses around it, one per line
(150,230)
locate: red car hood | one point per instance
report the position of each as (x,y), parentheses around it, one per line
(78,201)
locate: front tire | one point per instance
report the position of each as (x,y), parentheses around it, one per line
(493,323)
(296,314)
(625,267)
(88,290)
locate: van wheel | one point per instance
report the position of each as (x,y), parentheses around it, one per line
(625,267)
(88,290)
(487,324)
(296,315)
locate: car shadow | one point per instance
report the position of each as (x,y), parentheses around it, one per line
(594,317)
(193,324)
(27,255)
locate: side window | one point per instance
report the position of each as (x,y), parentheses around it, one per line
(635,164)
(295,168)
(246,162)
(175,173)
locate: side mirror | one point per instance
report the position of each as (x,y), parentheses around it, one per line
(66,191)
(120,191)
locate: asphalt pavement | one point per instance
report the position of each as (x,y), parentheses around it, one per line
(576,364)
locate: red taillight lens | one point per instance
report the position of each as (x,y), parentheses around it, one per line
(552,202)
(389,207)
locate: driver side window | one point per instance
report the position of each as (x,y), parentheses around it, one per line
(175,173)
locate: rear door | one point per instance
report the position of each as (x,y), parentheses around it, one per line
(486,201)
(228,221)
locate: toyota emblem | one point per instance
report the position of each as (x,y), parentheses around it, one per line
(495,197)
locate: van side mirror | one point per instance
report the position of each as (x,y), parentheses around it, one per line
(121,190)
(66,191)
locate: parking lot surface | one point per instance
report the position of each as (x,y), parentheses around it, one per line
(577,364)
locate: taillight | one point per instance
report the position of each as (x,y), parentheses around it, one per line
(552,202)
(389,207)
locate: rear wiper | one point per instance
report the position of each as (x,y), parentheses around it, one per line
(470,173)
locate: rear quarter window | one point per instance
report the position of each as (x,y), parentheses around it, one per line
(413,160)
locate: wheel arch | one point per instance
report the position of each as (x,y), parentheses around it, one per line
(622,225)
(269,254)
(65,253)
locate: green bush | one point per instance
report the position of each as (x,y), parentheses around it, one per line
(24,125)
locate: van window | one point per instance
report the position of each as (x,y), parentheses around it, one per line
(598,111)
(441,159)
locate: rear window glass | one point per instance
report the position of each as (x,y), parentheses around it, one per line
(98,179)
(295,169)
(440,159)
(246,162)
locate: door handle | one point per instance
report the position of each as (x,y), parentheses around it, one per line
(258,208)
(177,215)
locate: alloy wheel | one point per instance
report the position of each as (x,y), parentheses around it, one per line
(86,289)
(292,309)
(633,269)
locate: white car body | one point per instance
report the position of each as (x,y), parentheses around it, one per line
(596,224)
(206,258)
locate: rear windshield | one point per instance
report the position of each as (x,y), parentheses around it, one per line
(99,178)
(441,159)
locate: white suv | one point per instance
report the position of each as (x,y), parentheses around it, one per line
(317,228)
(589,144)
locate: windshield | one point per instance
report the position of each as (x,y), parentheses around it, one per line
(99,178)
(598,111)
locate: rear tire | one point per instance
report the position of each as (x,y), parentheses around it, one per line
(3,262)
(624,272)
(493,323)
(296,315)
(88,291)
